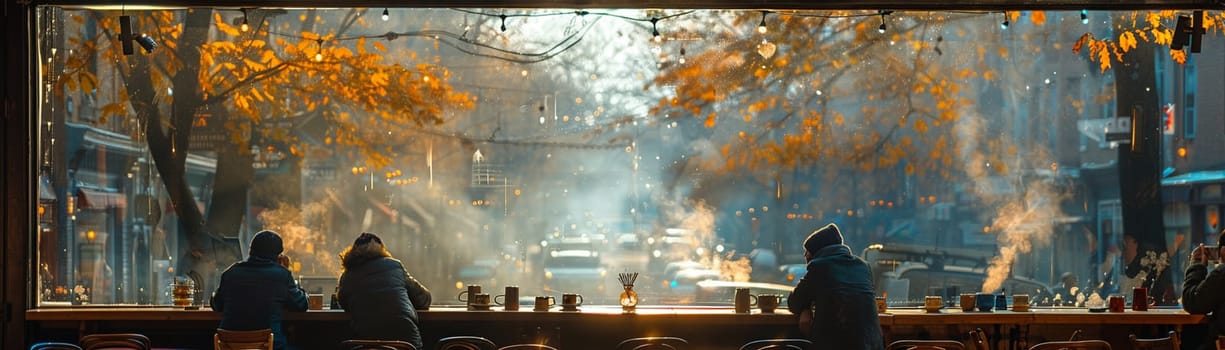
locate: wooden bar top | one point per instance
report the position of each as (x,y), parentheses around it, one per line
(689,313)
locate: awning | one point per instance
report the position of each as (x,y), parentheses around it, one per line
(94,199)
(1195,177)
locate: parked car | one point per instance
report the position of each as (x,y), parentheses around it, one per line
(575,271)
(628,241)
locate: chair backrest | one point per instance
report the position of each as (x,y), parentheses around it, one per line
(466,342)
(54,346)
(527,347)
(1079,344)
(926,345)
(368,344)
(979,339)
(655,346)
(116,341)
(1220,342)
(1077,335)
(1170,342)
(780,343)
(634,343)
(242,340)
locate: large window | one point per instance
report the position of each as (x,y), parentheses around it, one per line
(552,149)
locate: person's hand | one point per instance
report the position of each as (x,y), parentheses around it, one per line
(805,322)
(1198,256)
(283,260)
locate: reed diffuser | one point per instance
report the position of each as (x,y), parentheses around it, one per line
(629,298)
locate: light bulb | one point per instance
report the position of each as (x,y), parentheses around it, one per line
(1084,16)
(386,15)
(319,57)
(682,60)
(1004,25)
(882,28)
(762,28)
(244,27)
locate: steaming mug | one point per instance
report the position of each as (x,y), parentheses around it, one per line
(510,300)
(570,301)
(1140,300)
(744,300)
(543,303)
(466,296)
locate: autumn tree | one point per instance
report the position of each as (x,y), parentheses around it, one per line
(255,81)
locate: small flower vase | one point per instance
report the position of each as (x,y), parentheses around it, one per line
(629,299)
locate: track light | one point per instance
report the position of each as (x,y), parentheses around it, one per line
(319,53)
(1004,24)
(881,29)
(386,15)
(655,30)
(126,37)
(1084,16)
(761,28)
(244,26)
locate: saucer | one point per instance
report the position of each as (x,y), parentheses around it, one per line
(569,308)
(480,307)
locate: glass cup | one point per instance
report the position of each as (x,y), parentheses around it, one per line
(1140,300)
(881,305)
(315,301)
(571,302)
(1117,303)
(1020,302)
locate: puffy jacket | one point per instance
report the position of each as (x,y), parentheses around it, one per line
(252,295)
(1203,291)
(838,289)
(381,297)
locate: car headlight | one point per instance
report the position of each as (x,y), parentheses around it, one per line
(650,240)
(603,273)
(656,253)
(548,274)
(719,248)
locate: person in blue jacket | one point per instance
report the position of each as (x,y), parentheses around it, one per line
(379,294)
(253,293)
(835,300)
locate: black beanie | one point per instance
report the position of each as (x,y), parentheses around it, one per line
(367,237)
(822,237)
(266,244)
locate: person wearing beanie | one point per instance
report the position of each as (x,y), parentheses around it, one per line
(379,295)
(835,300)
(253,293)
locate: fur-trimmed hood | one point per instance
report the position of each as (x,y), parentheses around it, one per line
(357,255)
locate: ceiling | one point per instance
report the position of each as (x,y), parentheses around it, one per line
(996,5)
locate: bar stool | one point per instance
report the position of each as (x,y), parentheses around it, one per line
(1169,342)
(132,341)
(1079,344)
(466,342)
(54,346)
(926,345)
(781,343)
(637,343)
(367,344)
(527,347)
(979,339)
(242,340)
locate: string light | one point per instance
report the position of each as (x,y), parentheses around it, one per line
(245,26)
(1084,16)
(386,15)
(319,54)
(655,30)
(1004,24)
(882,27)
(761,28)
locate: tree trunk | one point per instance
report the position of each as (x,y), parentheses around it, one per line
(1140,165)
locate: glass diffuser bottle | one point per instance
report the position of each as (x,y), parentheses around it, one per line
(629,298)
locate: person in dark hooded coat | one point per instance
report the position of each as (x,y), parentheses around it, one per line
(835,300)
(253,293)
(379,295)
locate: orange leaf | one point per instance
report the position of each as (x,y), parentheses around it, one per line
(1179,56)
(1080,43)
(710,120)
(1038,17)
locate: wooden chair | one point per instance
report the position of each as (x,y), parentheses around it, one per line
(466,342)
(635,343)
(1079,344)
(242,340)
(654,346)
(926,345)
(54,346)
(1077,335)
(527,347)
(131,341)
(367,344)
(979,339)
(1170,342)
(781,343)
